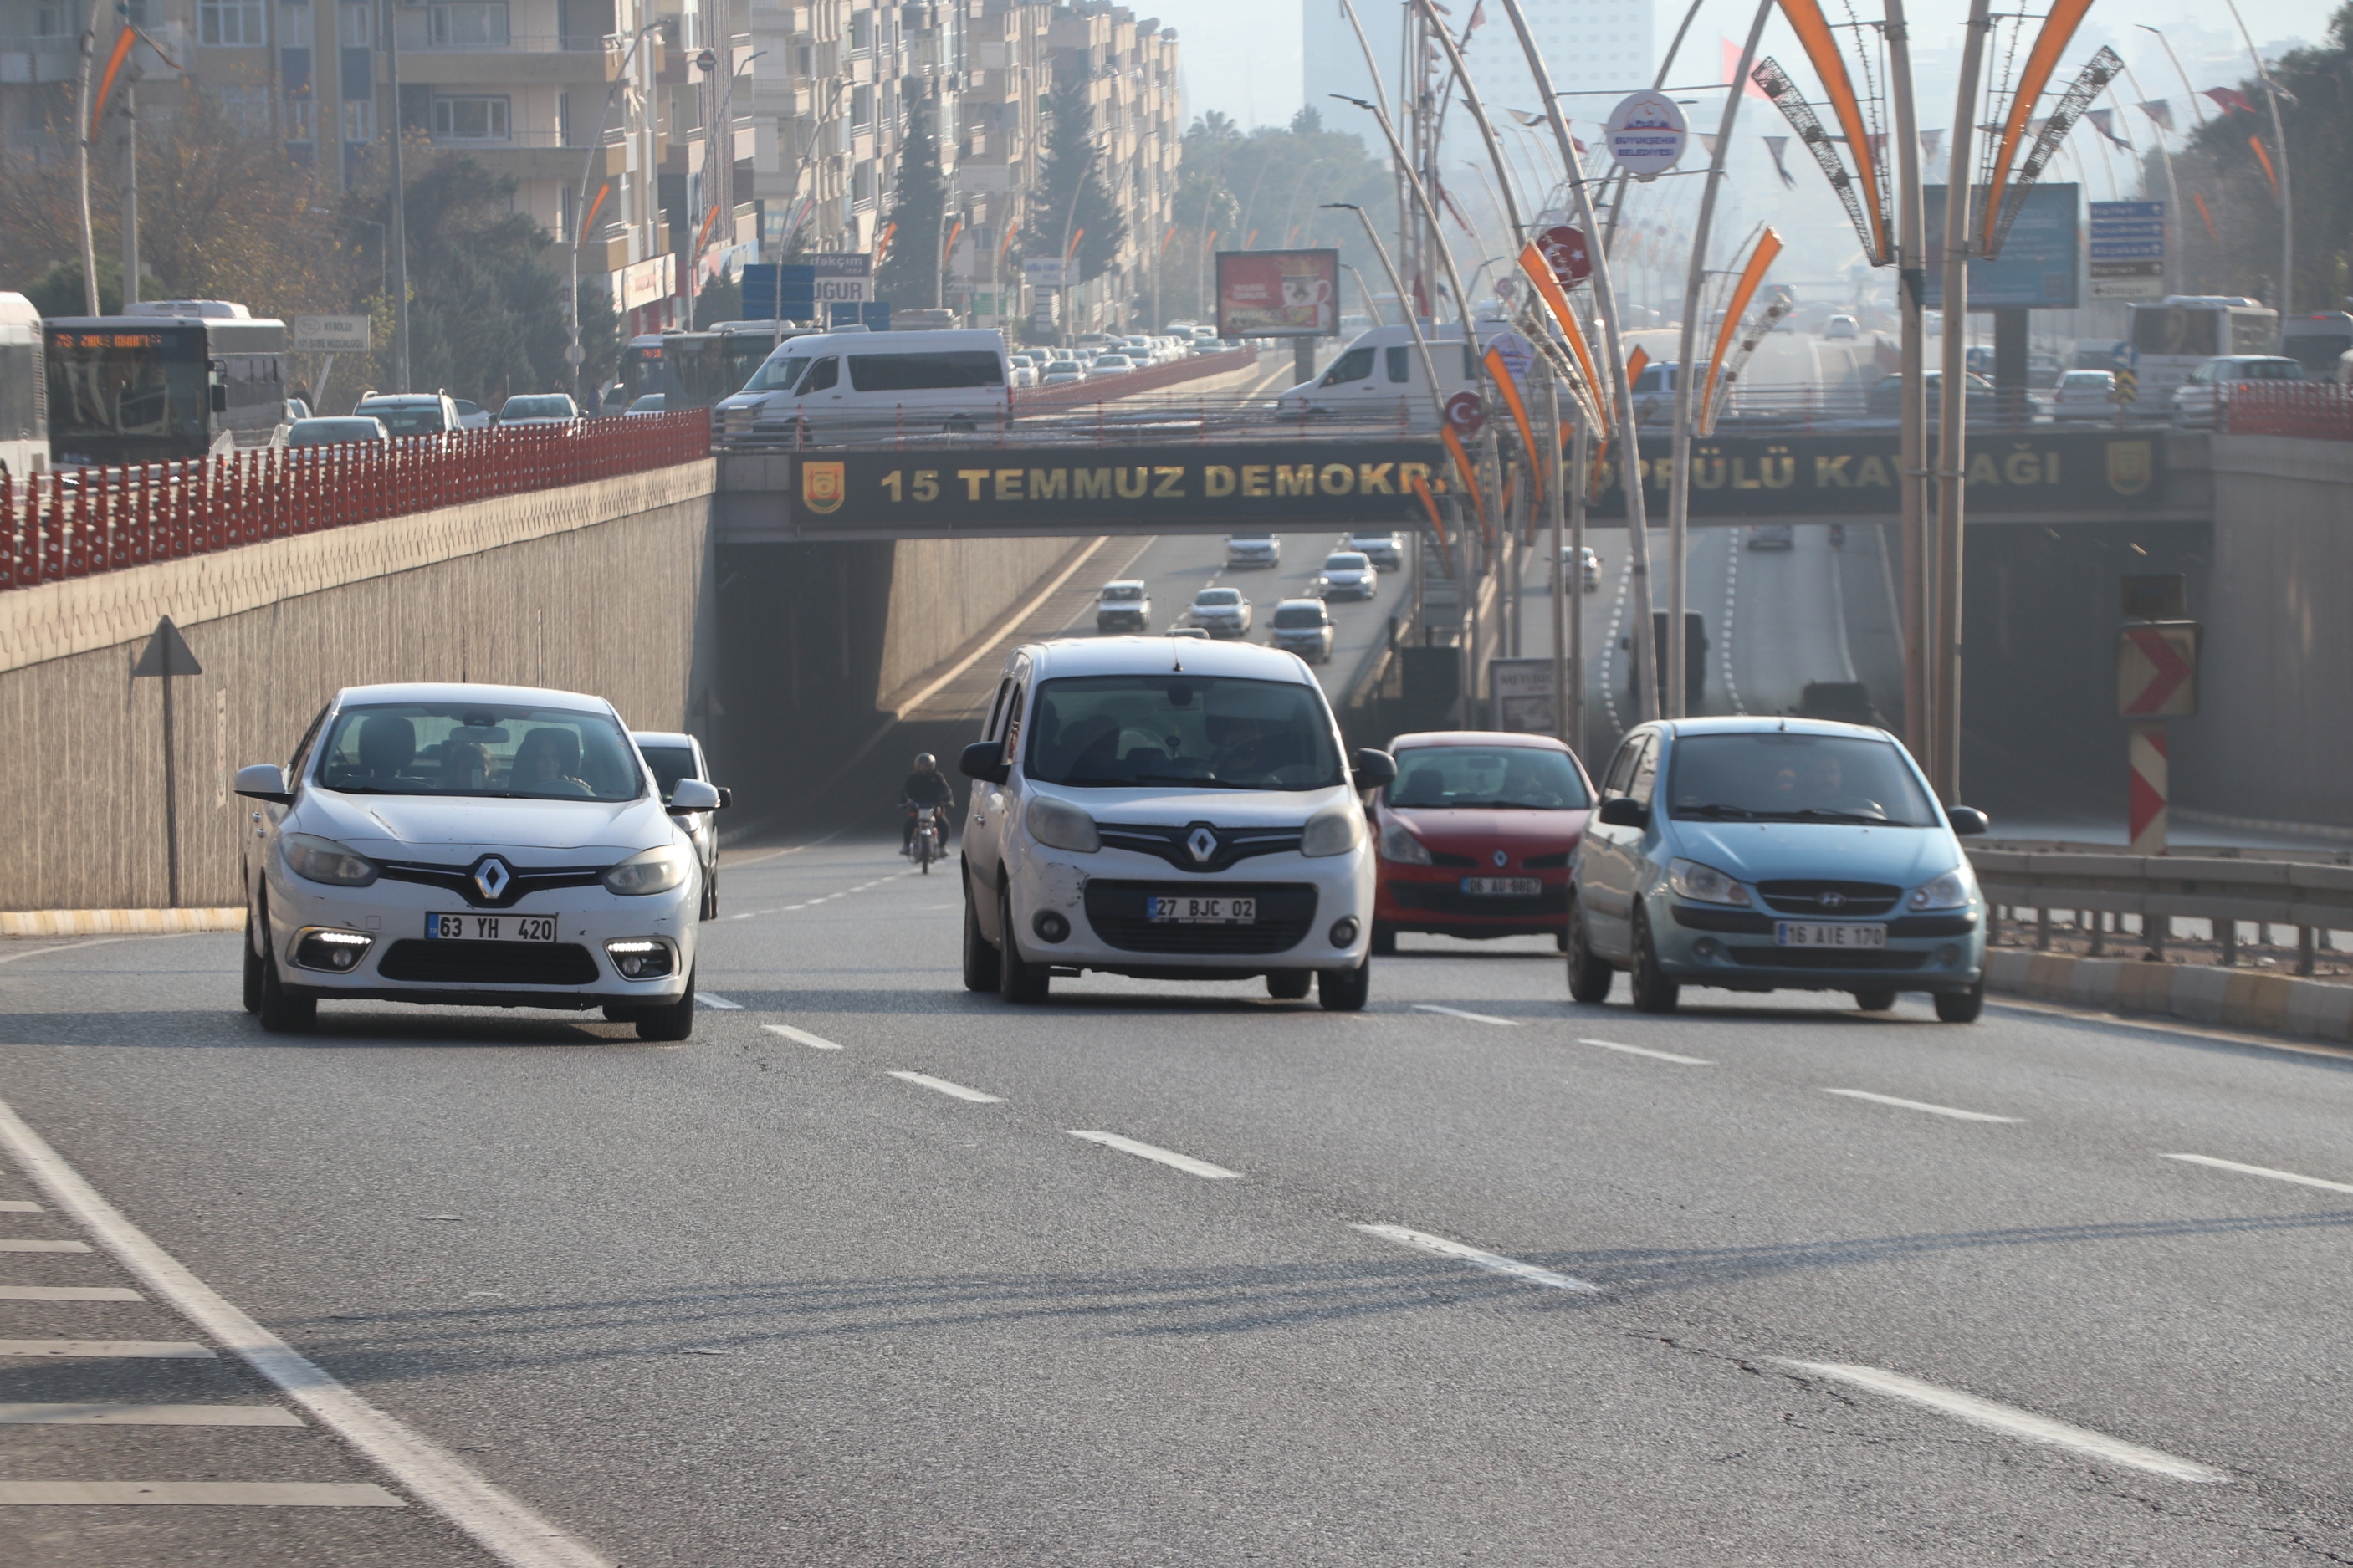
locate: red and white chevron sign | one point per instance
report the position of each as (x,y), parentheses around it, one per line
(2157,669)
(2150,790)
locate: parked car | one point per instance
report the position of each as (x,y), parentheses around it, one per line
(1124,607)
(410,413)
(1253,549)
(1772,536)
(1840,327)
(1136,820)
(1302,627)
(334,432)
(470,845)
(1347,574)
(1220,612)
(2198,401)
(2084,394)
(544,408)
(1475,836)
(471,416)
(1385,551)
(1762,854)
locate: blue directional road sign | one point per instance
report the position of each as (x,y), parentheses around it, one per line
(2127,257)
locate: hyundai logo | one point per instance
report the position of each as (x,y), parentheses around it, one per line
(1831,901)
(492,878)
(1202,843)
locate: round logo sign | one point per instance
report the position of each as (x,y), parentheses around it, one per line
(1646,133)
(1565,252)
(1465,414)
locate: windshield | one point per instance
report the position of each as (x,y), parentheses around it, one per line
(1290,617)
(670,763)
(1123,591)
(327,432)
(555,408)
(1109,731)
(1344,563)
(1219,597)
(127,384)
(542,753)
(778,374)
(1519,778)
(1784,777)
(406,418)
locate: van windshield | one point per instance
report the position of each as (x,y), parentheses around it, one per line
(1778,776)
(778,374)
(1202,732)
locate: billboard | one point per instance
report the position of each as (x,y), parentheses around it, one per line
(2038,262)
(2127,255)
(1278,293)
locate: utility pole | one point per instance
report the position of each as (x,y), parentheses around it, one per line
(399,213)
(1911,284)
(87,130)
(130,191)
(2286,193)
(1952,454)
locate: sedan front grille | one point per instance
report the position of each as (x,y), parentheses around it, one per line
(1286,911)
(1843,899)
(490,964)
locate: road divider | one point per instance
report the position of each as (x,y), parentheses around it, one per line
(2233,998)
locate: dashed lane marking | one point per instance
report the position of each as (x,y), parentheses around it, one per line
(1918,1105)
(943,1086)
(2265,1171)
(96,1414)
(812,1041)
(2013,1422)
(1459,1012)
(20,1244)
(68,1293)
(218,1494)
(1185,1163)
(1495,1263)
(712,999)
(93,1349)
(1646,1051)
(18,1206)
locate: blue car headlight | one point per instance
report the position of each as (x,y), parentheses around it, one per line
(1952,890)
(1704,884)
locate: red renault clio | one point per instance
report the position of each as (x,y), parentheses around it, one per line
(1475,835)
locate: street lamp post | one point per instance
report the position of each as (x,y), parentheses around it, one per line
(1952,456)
(2286,192)
(580,208)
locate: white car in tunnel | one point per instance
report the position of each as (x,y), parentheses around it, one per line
(1220,612)
(1168,810)
(471,845)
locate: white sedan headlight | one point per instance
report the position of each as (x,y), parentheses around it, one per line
(1402,847)
(1334,830)
(654,871)
(1952,890)
(1704,884)
(317,859)
(1058,824)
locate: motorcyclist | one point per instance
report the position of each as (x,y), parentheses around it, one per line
(925,786)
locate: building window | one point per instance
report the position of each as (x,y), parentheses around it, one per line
(51,21)
(469,25)
(231,24)
(469,120)
(298,118)
(358,119)
(862,30)
(357,32)
(861,105)
(245,107)
(294,27)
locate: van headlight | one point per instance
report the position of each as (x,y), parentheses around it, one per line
(317,859)
(1952,890)
(1058,824)
(654,871)
(1398,845)
(1704,884)
(1334,830)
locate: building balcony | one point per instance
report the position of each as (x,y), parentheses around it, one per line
(522,60)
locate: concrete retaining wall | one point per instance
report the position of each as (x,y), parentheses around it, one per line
(944,591)
(603,588)
(2233,998)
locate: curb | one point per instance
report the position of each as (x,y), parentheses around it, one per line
(117,922)
(2235,998)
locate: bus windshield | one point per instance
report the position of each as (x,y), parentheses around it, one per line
(128,384)
(2176,330)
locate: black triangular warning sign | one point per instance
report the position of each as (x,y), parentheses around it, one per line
(167,653)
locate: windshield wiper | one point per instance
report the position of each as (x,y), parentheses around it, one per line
(1186,779)
(1736,813)
(1823,814)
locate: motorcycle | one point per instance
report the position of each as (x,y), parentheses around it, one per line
(926,846)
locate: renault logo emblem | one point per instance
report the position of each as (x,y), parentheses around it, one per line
(1202,843)
(1831,900)
(1501,860)
(492,878)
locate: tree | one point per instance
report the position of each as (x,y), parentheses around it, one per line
(1274,181)
(910,275)
(1072,199)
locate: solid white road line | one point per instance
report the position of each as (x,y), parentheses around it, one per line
(2261,1170)
(68,1293)
(219,1494)
(2012,1421)
(18,1206)
(1646,1051)
(1918,1105)
(1459,1012)
(62,947)
(159,1350)
(710,999)
(811,1041)
(94,1415)
(1492,1262)
(16,1245)
(501,1524)
(927,1081)
(1185,1163)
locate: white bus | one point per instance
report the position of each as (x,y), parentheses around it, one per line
(24,390)
(2175,335)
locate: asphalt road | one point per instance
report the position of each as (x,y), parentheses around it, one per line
(754,1299)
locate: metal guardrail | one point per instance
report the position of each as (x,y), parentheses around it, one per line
(2311,896)
(2311,410)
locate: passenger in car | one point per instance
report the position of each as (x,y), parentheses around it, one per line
(464,766)
(387,745)
(545,762)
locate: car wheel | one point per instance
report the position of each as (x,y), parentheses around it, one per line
(1653,992)
(1961,1006)
(1875,1001)
(979,958)
(1289,985)
(711,894)
(1589,978)
(1384,941)
(1345,990)
(1018,979)
(283,1014)
(255,961)
(667,1020)
(958,427)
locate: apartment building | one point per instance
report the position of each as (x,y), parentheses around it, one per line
(1129,67)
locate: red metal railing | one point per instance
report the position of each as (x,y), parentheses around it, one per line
(2313,410)
(77,522)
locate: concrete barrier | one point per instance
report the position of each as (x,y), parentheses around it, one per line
(2233,998)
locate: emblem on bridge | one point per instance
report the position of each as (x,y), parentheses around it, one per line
(2130,469)
(824,486)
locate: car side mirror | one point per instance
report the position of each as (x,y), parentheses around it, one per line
(220,398)
(692,794)
(1967,820)
(984,761)
(264,781)
(1372,769)
(1625,811)
(726,797)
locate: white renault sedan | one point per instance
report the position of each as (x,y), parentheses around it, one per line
(471,845)
(1166,809)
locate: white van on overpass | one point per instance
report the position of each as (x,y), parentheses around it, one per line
(854,386)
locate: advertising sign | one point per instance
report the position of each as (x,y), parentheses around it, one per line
(1522,689)
(842,278)
(2127,258)
(1646,133)
(1278,293)
(643,282)
(331,335)
(2038,264)
(1045,272)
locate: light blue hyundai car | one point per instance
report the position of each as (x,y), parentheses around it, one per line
(1763,854)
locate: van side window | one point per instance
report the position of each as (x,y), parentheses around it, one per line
(1400,363)
(1013,725)
(1357,365)
(997,710)
(821,376)
(1646,772)
(1621,768)
(925,372)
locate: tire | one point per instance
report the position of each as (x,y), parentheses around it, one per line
(1018,979)
(1875,1001)
(710,895)
(979,958)
(619,1012)
(254,964)
(1384,941)
(1289,985)
(281,1014)
(669,1020)
(1653,992)
(1345,990)
(1961,1006)
(1589,978)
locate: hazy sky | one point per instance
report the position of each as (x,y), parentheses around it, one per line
(1242,56)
